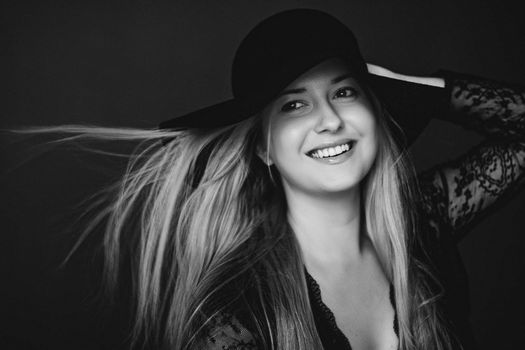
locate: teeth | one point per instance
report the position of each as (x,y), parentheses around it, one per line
(331,151)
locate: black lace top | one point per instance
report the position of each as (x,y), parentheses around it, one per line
(454,196)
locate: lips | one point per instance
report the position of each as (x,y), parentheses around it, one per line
(331,149)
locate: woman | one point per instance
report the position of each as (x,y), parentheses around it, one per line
(289,217)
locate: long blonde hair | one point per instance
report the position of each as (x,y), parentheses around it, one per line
(202,226)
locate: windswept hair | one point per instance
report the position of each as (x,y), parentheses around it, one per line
(200,225)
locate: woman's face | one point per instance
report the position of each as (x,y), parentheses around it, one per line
(322,131)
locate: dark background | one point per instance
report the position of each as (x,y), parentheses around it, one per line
(137,63)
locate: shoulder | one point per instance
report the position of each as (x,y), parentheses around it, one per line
(226,332)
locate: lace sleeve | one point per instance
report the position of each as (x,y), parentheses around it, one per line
(463,189)
(225,332)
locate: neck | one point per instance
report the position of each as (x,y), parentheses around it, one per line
(327,227)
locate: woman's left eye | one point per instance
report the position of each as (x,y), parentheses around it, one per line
(346,92)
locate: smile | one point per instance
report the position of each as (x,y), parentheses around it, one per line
(332,151)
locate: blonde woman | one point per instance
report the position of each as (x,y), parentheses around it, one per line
(290,217)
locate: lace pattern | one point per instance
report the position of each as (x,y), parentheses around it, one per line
(461,191)
(225,332)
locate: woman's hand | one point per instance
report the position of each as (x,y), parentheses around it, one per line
(381,71)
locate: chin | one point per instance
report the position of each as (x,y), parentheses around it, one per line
(342,180)
(335,184)
(339,187)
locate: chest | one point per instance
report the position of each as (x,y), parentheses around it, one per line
(365,317)
(362,308)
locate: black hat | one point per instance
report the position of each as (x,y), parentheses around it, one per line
(284,46)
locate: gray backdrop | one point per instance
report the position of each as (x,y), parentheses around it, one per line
(137,63)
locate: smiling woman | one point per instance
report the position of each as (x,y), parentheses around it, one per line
(290,216)
(323,140)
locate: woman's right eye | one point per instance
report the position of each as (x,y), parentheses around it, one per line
(292,106)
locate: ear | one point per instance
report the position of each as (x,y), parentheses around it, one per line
(263,155)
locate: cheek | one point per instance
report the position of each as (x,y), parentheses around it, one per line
(286,141)
(365,123)
(363,116)
(373,132)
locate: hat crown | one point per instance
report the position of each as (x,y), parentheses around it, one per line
(285,45)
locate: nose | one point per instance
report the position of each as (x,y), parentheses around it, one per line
(329,119)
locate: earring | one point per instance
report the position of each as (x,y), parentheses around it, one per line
(267,160)
(269,164)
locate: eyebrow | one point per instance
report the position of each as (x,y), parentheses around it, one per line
(301,90)
(341,78)
(292,91)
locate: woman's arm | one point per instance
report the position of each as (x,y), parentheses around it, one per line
(460,191)
(495,169)
(489,173)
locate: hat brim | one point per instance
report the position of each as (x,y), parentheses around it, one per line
(412,106)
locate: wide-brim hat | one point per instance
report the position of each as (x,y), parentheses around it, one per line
(286,45)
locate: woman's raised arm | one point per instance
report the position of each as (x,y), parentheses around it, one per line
(458,192)
(465,188)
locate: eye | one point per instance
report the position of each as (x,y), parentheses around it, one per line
(346,92)
(292,106)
